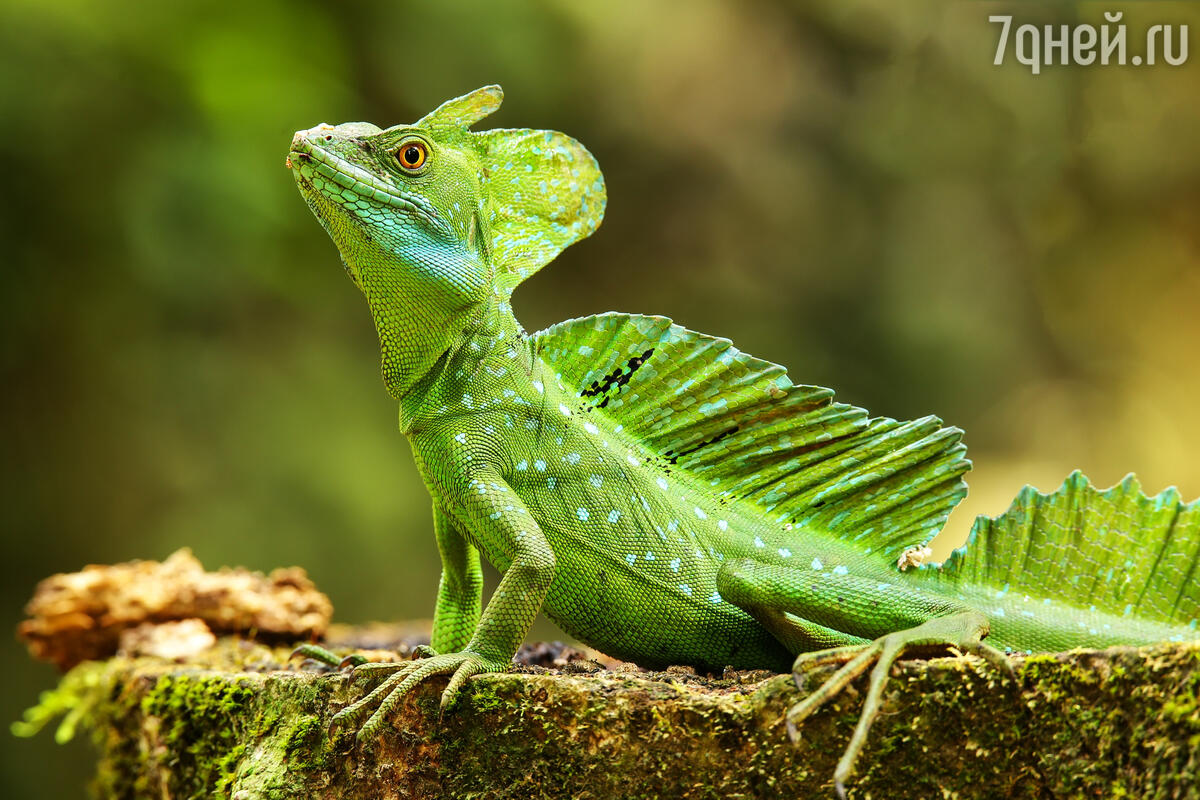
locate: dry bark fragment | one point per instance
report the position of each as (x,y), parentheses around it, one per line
(82,615)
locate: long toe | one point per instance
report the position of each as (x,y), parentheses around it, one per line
(316,653)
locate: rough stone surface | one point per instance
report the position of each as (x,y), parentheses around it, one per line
(1123,722)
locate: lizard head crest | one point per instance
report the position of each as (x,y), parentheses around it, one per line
(474,210)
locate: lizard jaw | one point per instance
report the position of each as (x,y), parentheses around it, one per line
(311,162)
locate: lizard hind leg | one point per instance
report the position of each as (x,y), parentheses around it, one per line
(963,631)
(811,613)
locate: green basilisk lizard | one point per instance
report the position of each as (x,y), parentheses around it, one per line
(663,496)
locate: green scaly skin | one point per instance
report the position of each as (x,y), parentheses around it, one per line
(661,496)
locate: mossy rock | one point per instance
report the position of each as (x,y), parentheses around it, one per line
(1123,722)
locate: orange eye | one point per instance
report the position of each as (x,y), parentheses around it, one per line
(412,155)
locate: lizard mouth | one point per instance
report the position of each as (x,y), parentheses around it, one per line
(316,167)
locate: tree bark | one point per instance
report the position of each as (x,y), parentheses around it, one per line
(233,722)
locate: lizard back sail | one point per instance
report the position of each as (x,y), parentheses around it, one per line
(739,427)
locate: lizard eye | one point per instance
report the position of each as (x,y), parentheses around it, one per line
(412,155)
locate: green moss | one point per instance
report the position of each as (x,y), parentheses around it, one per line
(305,732)
(76,695)
(1123,722)
(199,721)
(483,698)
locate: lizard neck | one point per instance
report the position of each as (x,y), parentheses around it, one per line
(418,321)
(490,334)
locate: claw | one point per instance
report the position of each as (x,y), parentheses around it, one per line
(362,706)
(793,730)
(352,660)
(854,666)
(457,680)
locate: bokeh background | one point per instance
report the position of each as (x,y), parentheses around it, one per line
(848,187)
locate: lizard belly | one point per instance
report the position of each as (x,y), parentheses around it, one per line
(636,575)
(634,615)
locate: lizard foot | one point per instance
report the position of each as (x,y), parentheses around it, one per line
(963,632)
(402,678)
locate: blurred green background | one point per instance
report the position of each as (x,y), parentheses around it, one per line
(850,188)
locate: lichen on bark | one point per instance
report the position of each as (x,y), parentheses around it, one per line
(234,723)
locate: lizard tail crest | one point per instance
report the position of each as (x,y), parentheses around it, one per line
(1115,550)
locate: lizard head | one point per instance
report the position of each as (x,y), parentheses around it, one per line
(433,220)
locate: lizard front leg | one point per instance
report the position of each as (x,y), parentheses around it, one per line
(496,515)
(460,591)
